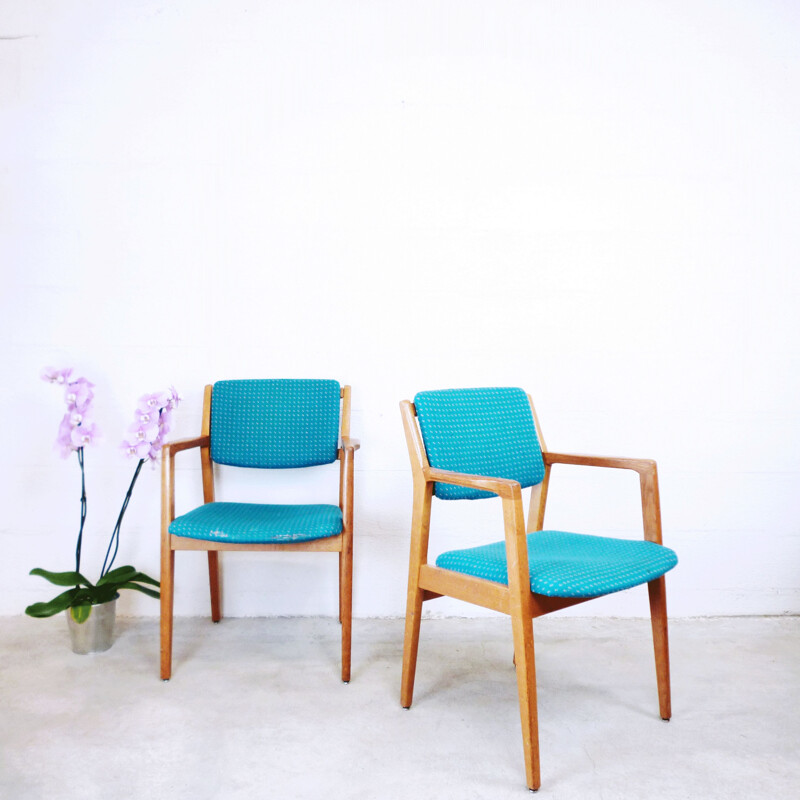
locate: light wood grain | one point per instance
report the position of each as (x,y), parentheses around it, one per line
(207,469)
(346,563)
(438,582)
(640,465)
(330,544)
(418,554)
(167,560)
(657,591)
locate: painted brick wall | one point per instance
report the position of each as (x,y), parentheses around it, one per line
(598,203)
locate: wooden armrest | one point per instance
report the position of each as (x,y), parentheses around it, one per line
(185,444)
(510,493)
(643,466)
(350,444)
(648,479)
(504,487)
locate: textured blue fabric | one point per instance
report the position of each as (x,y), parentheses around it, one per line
(569,564)
(275,424)
(256,523)
(487,432)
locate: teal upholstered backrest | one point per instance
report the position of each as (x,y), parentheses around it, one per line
(275,423)
(481,432)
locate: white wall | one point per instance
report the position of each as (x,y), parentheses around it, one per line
(597,202)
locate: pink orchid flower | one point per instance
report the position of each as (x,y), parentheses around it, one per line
(152,422)
(174,398)
(79,394)
(64,438)
(83,435)
(136,449)
(153,402)
(144,433)
(53,375)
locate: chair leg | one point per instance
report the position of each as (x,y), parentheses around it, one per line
(213,582)
(167,594)
(341,585)
(346,605)
(411,644)
(526,686)
(658,615)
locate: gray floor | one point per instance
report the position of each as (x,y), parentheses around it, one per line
(255,709)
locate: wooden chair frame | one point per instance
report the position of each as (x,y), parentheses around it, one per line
(426,582)
(341,543)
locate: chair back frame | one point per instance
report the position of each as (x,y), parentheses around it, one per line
(465,587)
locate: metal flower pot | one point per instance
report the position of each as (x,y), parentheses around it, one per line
(96,633)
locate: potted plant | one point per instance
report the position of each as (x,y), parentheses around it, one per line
(91,607)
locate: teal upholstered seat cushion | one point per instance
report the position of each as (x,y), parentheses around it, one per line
(275,424)
(569,564)
(480,432)
(255,523)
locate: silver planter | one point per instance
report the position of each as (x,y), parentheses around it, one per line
(95,634)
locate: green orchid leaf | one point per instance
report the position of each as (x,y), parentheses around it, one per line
(102,594)
(142,589)
(62,578)
(142,578)
(54,606)
(81,613)
(118,575)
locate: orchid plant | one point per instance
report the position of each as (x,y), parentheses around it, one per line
(152,422)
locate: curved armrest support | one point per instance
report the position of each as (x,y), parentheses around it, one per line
(349,443)
(504,487)
(510,493)
(168,452)
(643,466)
(185,444)
(648,481)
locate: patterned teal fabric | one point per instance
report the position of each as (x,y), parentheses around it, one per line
(569,564)
(481,432)
(254,523)
(275,424)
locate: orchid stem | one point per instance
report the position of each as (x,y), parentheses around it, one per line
(114,542)
(83,512)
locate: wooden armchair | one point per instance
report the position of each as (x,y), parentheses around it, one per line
(263,424)
(477,443)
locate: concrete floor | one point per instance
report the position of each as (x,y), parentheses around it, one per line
(255,709)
